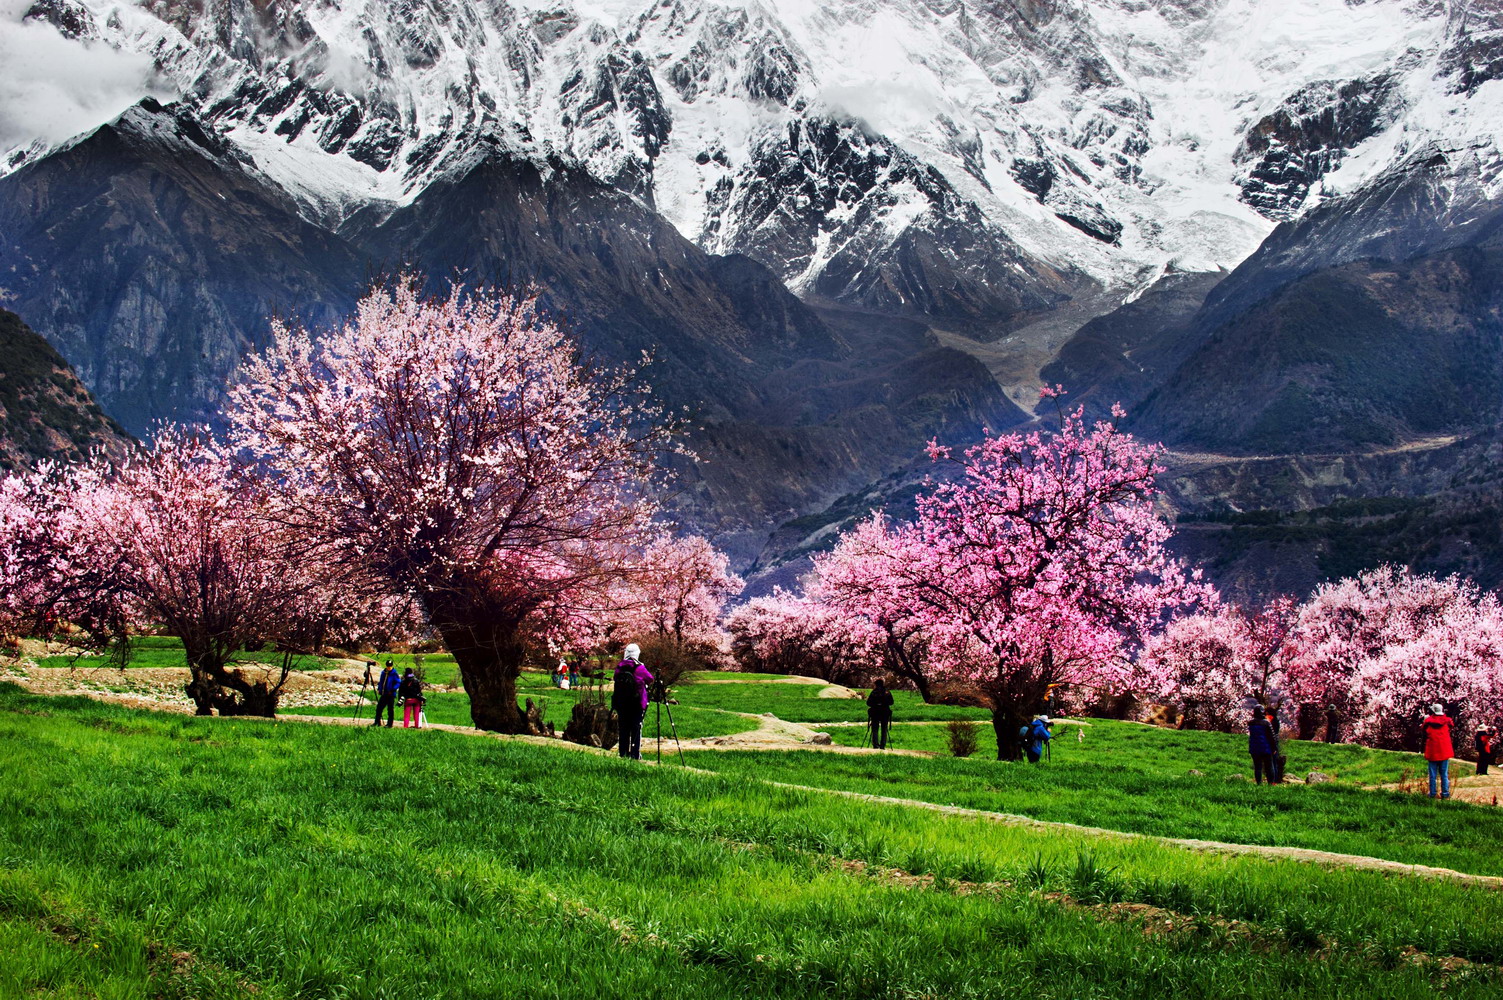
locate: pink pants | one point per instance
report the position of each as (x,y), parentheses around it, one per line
(412,713)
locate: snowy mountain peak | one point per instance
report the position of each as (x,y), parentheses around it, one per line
(1012,152)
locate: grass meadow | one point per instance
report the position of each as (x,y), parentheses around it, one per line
(146,854)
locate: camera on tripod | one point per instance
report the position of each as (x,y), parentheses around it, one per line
(657,691)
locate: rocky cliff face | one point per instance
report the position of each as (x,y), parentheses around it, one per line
(45,411)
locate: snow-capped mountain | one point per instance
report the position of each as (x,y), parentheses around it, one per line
(1166,202)
(1037,145)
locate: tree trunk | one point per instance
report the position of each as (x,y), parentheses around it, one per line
(489,663)
(1006,721)
(215,688)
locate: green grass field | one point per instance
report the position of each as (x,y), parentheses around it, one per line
(802,703)
(1119,790)
(167,651)
(147,854)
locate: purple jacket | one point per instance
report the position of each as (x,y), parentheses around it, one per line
(643,677)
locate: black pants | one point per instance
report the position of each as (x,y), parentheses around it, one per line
(1484,761)
(388,702)
(630,729)
(1262,763)
(878,727)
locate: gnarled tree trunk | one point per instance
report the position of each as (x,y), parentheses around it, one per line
(490,657)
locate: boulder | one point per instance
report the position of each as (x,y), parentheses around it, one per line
(821,739)
(1316,778)
(1193,773)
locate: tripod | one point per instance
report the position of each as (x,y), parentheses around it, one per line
(660,695)
(363,685)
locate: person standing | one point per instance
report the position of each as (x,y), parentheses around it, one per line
(573,672)
(629,700)
(1036,736)
(1278,758)
(879,713)
(1487,742)
(412,700)
(1438,749)
(1333,724)
(1261,745)
(387,686)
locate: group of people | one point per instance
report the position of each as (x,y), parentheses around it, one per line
(566,674)
(408,687)
(1439,748)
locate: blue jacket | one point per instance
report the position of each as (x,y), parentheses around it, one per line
(1260,737)
(388,682)
(1038,735)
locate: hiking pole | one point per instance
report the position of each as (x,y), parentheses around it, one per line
(674,730)
(866,734)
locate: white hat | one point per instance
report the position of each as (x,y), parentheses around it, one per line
(633,651)
(1437,709)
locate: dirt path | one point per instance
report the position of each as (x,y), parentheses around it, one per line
(1466,785)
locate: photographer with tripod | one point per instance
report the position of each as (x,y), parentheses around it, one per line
(387,686)
(629,701)
(879,714)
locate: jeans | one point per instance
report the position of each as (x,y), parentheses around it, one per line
(388,702)
(630,729)
(879,732)
(1262,764)
(1443,769)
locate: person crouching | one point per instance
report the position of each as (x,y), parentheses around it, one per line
(629,701)
(1036,737)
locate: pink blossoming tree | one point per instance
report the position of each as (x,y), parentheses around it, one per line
(458,450)
(1382,646)
(1038,564)
(1216,664)
(173,538)
(852,581)
(786,634)
(671,605)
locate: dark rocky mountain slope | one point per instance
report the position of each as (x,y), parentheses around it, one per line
(160,256)
(45,411)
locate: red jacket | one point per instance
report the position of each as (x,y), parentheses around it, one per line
(1438,738)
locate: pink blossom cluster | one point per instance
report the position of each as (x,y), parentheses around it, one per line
(677,588)
(1382,646)
(787,634)
(1040,562)
(1218,665)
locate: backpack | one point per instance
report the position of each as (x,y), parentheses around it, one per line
(412,687)
(626,699)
